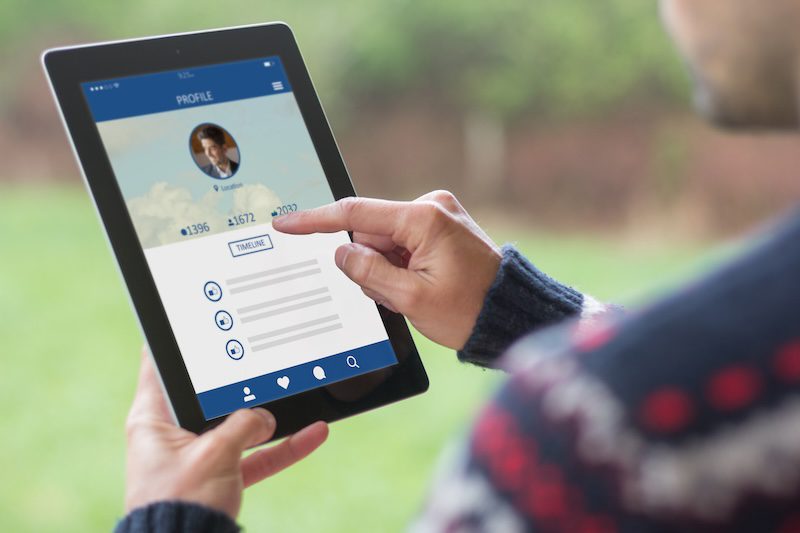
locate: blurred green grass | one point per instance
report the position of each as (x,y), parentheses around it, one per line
(71,347)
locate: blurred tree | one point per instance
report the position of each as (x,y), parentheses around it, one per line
(494,62)
(553,58)
(506,57)
(488,64)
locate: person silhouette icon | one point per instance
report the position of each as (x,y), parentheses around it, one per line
(247,396)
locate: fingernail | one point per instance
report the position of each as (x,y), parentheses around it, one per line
(341,255)
(269,419)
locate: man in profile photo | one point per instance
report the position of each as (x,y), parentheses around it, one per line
(214,146)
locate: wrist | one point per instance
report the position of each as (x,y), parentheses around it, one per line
(481,281)
(521,299)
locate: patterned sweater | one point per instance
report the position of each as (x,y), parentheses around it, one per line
(681,416)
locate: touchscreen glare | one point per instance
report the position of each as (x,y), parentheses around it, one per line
(205,158)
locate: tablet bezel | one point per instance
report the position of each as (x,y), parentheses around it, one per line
(68,67)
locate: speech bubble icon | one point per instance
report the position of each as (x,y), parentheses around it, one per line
(319,373)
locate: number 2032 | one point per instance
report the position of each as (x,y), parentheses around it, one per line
(284,209)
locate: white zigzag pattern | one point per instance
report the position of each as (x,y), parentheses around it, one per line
(704,478)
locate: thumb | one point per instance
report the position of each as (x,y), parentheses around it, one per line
(242,430)
(374,273)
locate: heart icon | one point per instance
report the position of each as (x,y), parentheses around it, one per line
(283,382)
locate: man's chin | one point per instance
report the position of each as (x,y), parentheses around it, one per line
(740,118)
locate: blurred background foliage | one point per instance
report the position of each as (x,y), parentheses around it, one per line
(506,58)
(562,126)
(569,115)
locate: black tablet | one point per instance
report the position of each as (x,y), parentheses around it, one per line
(190,144)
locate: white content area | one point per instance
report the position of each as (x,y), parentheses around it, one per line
(289,304)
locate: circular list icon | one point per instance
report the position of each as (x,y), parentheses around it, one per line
(213,291)
(234,349)
(223,320)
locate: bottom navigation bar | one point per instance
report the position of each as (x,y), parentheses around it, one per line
(296,379)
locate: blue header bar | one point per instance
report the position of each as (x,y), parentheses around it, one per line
(178,89)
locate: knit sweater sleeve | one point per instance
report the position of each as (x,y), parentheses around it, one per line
(176,517)
(521,299)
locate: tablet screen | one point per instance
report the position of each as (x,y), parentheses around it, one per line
(205,158)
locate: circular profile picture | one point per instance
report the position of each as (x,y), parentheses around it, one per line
(214,151)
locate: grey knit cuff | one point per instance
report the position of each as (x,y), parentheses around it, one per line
(521,299)
(176,517)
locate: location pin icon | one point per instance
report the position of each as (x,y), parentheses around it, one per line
(216,187)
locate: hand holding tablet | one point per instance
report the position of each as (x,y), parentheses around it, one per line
(191,145)
(168,463)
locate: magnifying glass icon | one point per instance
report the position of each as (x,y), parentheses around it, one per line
(352,362)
